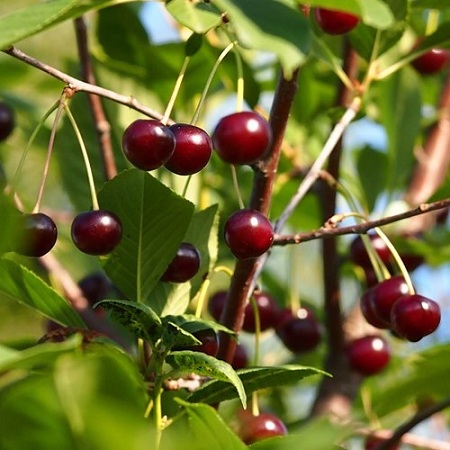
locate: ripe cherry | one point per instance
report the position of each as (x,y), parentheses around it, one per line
(148,144)
(7,120)
(242,137)
(267,309)
(96,232)
(38,234)
(248,233)
(368,311)
(216,303)
(358,253)
(414,317)
(300,333)
(240,358)
(184,265)
(335,22)
(193,148)
(431,62)
(209,343)
(255,428)
(369,354)
(372,442)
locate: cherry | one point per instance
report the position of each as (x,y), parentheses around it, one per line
(300,333)
(432,61)
(240,358)
(385,294)
(267,309)
(248,233)
(216,303)
(38,234)
(184,265)
(96,286)
(209,342)
(193,148)
(148,144)
(335,22)
(96,232)
(372,442)
(358,253)
(242,137)
(369,354)
(256,428)
(7,120)
(368,311)
(414,317)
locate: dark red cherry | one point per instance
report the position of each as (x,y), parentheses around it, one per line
(268,313)
(368,311)
(240,358)
(242,137)
(7,120)
(216,303)
(358,253)
(193,148)
(372,442)
(431,62)
(184,265)
(37,233)
(299,333)
(248,233)
(257,428)
(369,354)
(96,286)
(209,343)
(414,317)
(385,294)
(335,22)
(148,144)
(96,232)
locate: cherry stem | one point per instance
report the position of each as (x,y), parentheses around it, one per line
(176,90)
(294,298)
(84,152)
(432,21)
(28,146)
(51,143)
(255,403)
(201,297)
(211,75)
(236,186)
(240,81)
(186,185)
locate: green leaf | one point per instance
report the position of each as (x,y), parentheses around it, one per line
(277,28)
(174,298)
(37,17)
(254,379)
(154,221)
(139,319)
(22,285)
(198,17)
(205,365)
(209,431)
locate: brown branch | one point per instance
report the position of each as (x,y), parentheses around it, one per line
(326,232)
(81,86)
(102,125)
(243,280)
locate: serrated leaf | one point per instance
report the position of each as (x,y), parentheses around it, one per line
(139,319)
(195,362)
(209,430)
(39,16)
(198,17)
(288,37)
(154,221)
(253,379)
(23,286)
(174,298)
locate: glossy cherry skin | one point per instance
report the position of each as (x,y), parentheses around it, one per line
(184,265)
(385,294)
(96,232)
(216,304)
(242,137)
(248,233)
(148,144)
(432,61)
(335,22)
(264,426)
(369,354)
(368,311)
(415,316)
(358,253)
(193,148)
(372,442)
(300,333)
(7,120)
(267,309)
(37,233)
